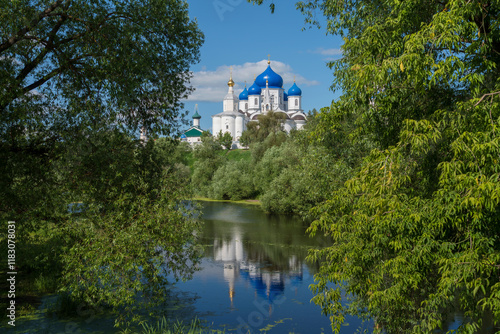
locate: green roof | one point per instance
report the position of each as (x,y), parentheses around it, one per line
(193,132)
(196,115)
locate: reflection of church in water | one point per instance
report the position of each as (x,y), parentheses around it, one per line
(268,281)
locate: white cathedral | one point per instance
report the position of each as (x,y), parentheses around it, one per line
(266,93)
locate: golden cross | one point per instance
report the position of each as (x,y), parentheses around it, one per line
(269,59)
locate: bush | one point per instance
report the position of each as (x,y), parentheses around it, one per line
(273,162)
(233,181)
(301,186)
(208,160)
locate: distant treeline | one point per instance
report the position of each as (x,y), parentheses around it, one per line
(288,173)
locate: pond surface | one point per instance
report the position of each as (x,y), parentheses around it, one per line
(254,276)
(253,279)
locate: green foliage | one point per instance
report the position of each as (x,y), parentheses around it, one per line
(233,181)
(164,326)
(307,181)
(337,130)
(266,124)
(416,228)
(132,232)
(274,161)
(207,160)
(45,285)
(92,203)
(289,173)
(225,139)
(237,155)
(273,139)
(170,151)
(126,61)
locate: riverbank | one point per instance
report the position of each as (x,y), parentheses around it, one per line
(245,201)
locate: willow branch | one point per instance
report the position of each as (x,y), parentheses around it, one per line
(485,95)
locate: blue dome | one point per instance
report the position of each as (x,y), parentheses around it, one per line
(244,94)
(294,91)
(285,96)
(254,89)
(275,80)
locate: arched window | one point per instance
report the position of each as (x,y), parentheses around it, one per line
(256,101)
(296,102)
(227,126)
(267,106)
(246,106)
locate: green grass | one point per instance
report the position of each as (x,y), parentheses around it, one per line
(45,284)
(236,155)
(164,326)
(233,155)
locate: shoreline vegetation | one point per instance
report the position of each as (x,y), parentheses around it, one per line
(244,201)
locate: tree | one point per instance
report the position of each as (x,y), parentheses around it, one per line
(225,139)
(208,160)
(258,131)
(233,181)
(416,231)
(79,80)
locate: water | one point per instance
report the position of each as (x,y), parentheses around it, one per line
(254,276)
(253,279)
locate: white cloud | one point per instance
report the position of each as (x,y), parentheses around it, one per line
(328,52)
(212,85)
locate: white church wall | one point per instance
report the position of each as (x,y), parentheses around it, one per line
(228,105)
(216,125)
(289,125)
(194,140)
(300,124)
(274,93)
(239,127)
(291,103)
(228,124)
(243,105)
(294,103)
(252,102)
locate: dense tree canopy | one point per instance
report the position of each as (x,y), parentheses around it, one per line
(78,81)
(416,230)
(258,131)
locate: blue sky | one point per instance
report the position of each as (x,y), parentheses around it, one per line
(241,35)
